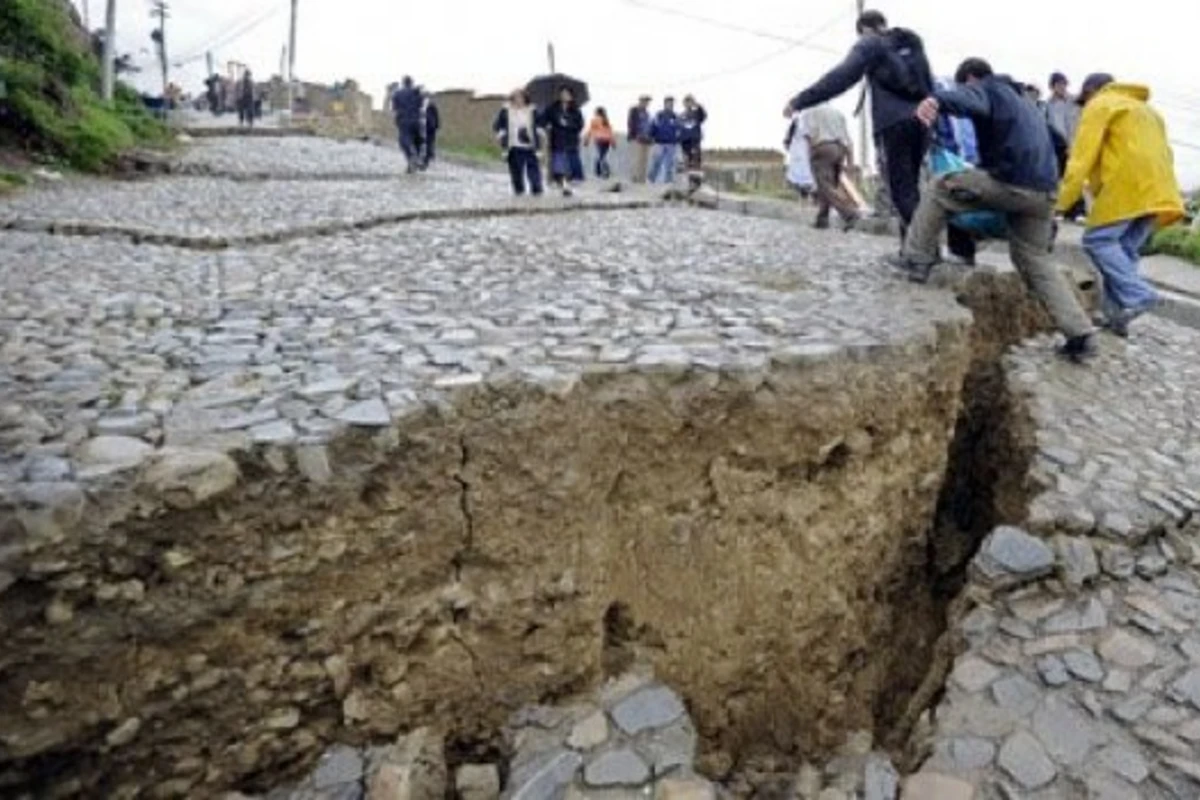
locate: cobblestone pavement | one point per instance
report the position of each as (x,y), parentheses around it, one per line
(1082,675)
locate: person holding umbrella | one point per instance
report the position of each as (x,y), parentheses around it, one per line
(564,122)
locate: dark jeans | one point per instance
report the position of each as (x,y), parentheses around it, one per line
(430,146)
(904,145)
(602,168)
(410,144)
(523,169)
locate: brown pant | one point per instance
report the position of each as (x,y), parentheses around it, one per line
(641,161)
(1030,216)
(827,160)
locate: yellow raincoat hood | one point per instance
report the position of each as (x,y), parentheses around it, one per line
(1121,153)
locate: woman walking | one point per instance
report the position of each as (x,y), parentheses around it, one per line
(564,121)
(516,131)
(600,133)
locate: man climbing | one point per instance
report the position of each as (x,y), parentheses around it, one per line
(893,62)
(406,108)
(1018,176)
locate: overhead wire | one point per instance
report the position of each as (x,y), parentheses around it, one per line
(726,25)
(747,66)
(232,33)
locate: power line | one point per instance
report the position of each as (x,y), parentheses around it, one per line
(729,26)
(231,34)
(749,65)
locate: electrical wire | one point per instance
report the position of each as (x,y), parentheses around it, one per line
(746,67)
(231,34)
(729,26)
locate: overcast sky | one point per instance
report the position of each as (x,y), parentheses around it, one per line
(624,47)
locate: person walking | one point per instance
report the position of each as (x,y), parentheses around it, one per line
(406,109)
(691,138)
(638,131)
(517,134)
(799,158)
(433,123)
(830,152)
(1018,176)
(245,101)
(664,131)
(894,64)
(1122,152)
(564,121)
(1062,112)
(600,134)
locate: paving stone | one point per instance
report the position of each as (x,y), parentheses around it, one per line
(1187,688)
(1090,617)
(338,765)
(1126,650)
(1084,665)
(1118,681)
(545,778)
(621,767)
(477,782)
(880,779)
(1053,670)
(1133,708)
(121,451)
(1016,693)
(1123,761)
(932,786)
(1067,735)
(655,707)
(971,753)
(1025,761)
(1011,555)
(974,674)
(1077,559)
(590,732)
(368,413)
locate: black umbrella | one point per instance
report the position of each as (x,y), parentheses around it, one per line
(543,90)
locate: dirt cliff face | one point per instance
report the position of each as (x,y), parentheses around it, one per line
(763,537)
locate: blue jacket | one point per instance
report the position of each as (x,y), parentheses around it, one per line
(665,128)
(868,55)
(1012,133)
(691,126)
(433,118)
(406,106)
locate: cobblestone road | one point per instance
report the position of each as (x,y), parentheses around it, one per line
(1082,677)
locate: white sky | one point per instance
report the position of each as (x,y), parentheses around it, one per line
(621,48)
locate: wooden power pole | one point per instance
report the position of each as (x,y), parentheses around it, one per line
(291,52)
(158,10)
(110,49)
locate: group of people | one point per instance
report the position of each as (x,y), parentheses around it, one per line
(653,139)
(417,122)
(242,96)
(1028,162)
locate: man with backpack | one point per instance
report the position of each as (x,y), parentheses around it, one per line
(1017,176)
(893,62)
(407,104)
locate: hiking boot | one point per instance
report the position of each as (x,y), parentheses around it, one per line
(1119,321)
(821,225)
(849,224)
(915,271)
(1080,349)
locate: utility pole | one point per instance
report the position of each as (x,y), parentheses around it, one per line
(864,111)
(87,18)
(158,9)
(110,49)
(291,76)
(550,56)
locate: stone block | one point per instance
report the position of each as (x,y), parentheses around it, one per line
(477,782)
(932,786)
(684,789)
(655,707)
(411,769)
(621,767)
(1010,557)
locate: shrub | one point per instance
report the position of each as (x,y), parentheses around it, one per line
(1179,241)
(50,104)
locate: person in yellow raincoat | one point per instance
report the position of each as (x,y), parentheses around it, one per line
(1121,152)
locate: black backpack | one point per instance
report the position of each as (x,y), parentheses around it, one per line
(904,70)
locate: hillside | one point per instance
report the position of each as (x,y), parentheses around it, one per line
(50,107)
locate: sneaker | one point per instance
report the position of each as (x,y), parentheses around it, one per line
(1080,349)
(821,225)
(915,271)
(1119,321)
(567,191)
(849,224)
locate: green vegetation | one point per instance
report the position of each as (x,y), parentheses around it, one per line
(1178,240)
(482,153)
(49,84)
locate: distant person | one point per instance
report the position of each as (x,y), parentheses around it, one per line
(406,110)
(245,103)
(894,64)
(1062,112)
(691,139)
(516,131)
(1018,176)
(564,121)
(831,152)
(433,123)
(638,130)
(664,131)
(1122,152)
(799,157)
(600,134)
